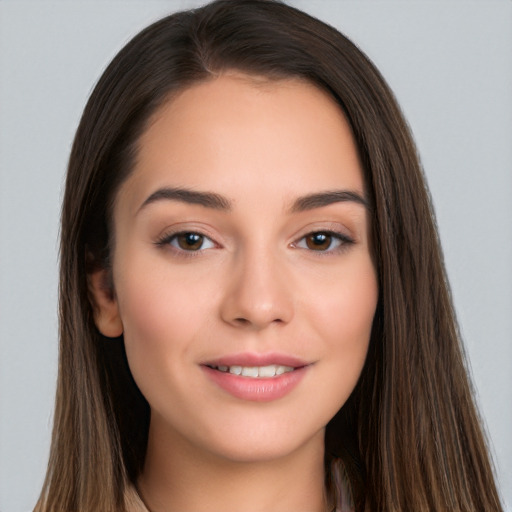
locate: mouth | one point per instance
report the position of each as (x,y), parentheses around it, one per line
(255,372)
(257,377)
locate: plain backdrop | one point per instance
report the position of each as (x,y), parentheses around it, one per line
(449,63)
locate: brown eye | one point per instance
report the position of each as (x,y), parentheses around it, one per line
(324,241)
(319,241)
(190,241)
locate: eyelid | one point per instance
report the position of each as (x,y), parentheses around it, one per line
(336,228)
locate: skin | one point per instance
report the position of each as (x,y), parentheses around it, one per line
(257,284)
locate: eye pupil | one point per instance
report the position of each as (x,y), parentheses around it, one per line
(319,241)
(190,241)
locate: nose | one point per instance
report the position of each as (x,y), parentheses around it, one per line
(259,293)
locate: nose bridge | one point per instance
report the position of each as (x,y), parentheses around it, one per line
(259,294)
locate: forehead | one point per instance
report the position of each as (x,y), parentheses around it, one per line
(246,136)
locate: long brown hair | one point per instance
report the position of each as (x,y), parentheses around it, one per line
(409,437)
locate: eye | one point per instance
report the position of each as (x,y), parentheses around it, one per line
(189,241)
(323,241)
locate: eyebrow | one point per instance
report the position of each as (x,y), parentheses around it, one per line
(185,195)
(219,202)
(320,199)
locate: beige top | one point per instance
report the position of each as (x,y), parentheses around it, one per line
(135,504)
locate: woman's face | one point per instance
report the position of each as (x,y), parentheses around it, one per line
(244,284)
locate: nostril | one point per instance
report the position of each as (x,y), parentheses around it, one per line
(241,321)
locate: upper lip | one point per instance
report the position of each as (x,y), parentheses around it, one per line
(255,359)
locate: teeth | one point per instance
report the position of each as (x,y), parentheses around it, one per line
(281,369)
(237,370)
(255,371)
(248,371)
(267,371)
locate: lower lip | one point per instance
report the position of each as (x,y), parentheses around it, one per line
(257,389)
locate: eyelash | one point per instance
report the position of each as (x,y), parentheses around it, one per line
(342,241)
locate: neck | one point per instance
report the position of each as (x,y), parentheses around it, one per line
(180,477)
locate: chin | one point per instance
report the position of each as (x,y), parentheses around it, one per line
(255,445)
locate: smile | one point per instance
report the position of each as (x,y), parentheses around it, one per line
(254,372)
(256,377)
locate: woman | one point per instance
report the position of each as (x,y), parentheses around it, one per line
(254,310)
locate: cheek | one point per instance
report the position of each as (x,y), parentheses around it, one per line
(162,316)
(344,317)
(155,300)
(347,306)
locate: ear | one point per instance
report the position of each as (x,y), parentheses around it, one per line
(104,303)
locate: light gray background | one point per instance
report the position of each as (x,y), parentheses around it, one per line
(449,63)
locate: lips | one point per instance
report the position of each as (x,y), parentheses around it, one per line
(256,377)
